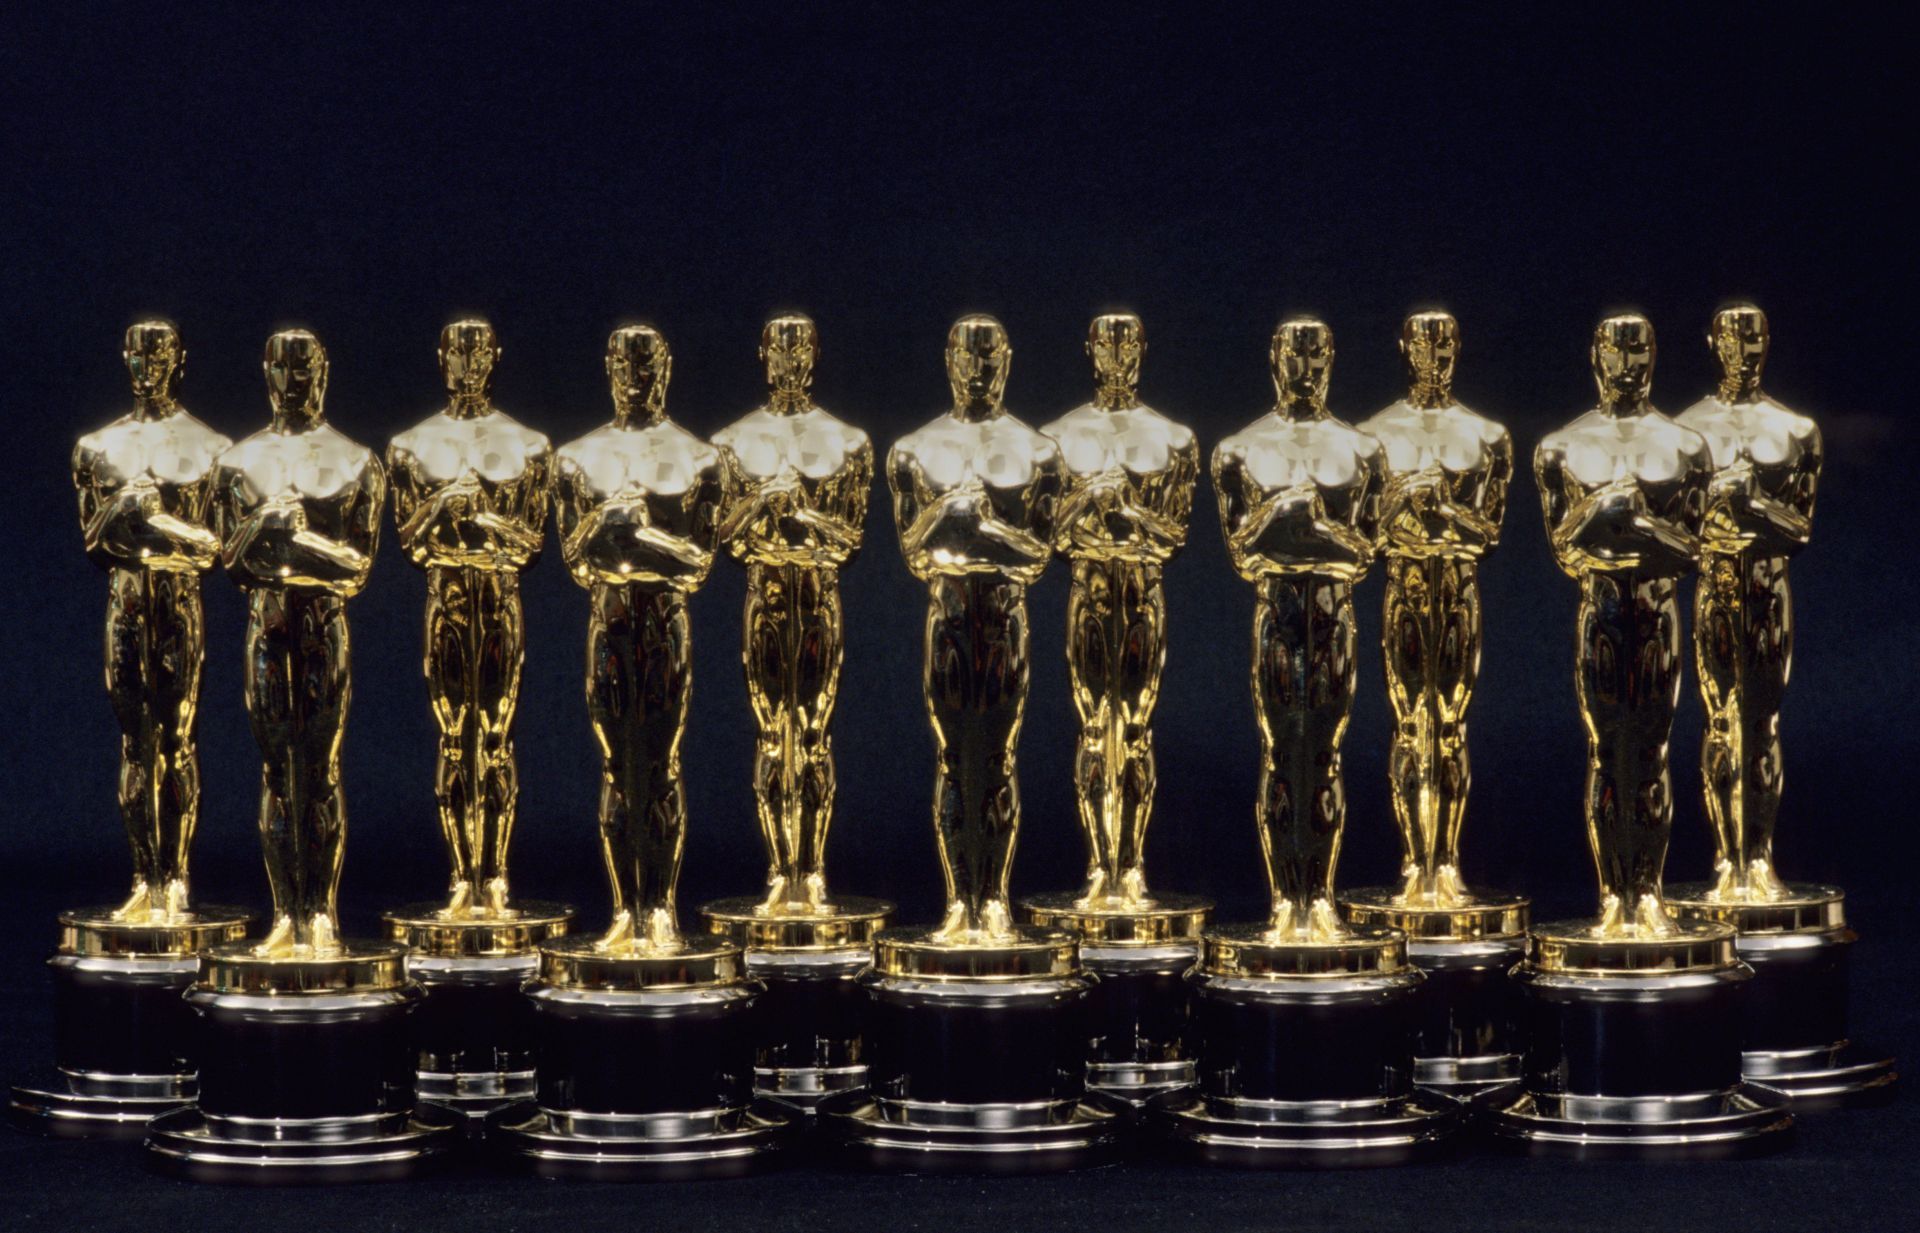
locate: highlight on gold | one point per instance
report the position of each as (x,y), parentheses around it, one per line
(297,506)
(638,506)
(1130,474)
(145,482)
(798,480)
(1759,512)
(1299,494)
(470,492)
(1625,491)
(973,497)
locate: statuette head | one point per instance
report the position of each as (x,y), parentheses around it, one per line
(468,353)
(638,368)
(296,368)
(1116,342)
(1430,344)
(1739,338)
(1302,360)
(789,345)
(1623,354)
(978,356)
(155,359)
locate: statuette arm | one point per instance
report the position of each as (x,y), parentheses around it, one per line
(131,529)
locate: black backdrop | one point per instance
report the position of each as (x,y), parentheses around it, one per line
(368,172)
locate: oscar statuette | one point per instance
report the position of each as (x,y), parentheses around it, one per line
(1129,480)
(306,1069)
(470,505)
(123,1047)
(799,479)
(1446,472)
(643,1036)
(977,1042)
(1632,1019)
(1766,464)
(1304,1022)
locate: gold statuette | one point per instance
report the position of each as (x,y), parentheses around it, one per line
(1624,489)
(1447,472)
(1299,498)
(638,505)
(973,496)
(298,509)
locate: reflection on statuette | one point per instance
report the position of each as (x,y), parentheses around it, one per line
(470,503)
(297,506)
(1130,475)
(1447,471)
(798,482)
(1624,489)
(637,503)
(1299,494)
(144,483)
(1759,512)
(973,498)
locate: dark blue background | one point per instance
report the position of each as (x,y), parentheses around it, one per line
(370,171)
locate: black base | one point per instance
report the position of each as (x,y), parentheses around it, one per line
(52,1102)
(810,1024)
(1796,1022)
(1741,1122)
(1138,1015)
(472,1036)
(1408,1129)
(1466,1017)
(189,1144)
(908,1137)
(1842,1075)
(641,1147)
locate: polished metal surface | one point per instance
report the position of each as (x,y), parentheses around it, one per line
(639,504)
(470,505)
(1741,1122)
(640,1147)
(1305,1134)
(1299,494)
(297,1151)
(1042,1136)
(297,507)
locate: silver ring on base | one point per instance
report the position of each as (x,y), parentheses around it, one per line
(910,1137)
(289,1151)
(641,1147)
(1740,1122)
(1251,1134)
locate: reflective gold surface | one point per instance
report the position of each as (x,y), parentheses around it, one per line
(917,955)
(1130,474)
(103,932)
(1254,951)
(973,496)
(799,479)
(470,501)
(852,922)
(297,507)
(1447,472)
(1759,512)
(428,929)
(638,504)
(1163,918)
(349,967)
(1299,499)
(1624,490)
(1577,947)
(144,484)
(590,964)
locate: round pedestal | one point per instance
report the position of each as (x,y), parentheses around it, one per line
(1634,1050)
(1466,1023)
(473,1033)
(810,1041)
(122,1049)
(1797,1040)
(1137,1012)
(306,1072)
(977,1061)
(644,1067)
(1305,1056)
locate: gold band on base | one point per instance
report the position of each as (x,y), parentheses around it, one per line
(1577,947)
(699,962)
(1483,917)
(360,967)
(1161,918)
(842,924)
(95,932)
(1806,908)
(425,929)
(1029,954)
(1250,951)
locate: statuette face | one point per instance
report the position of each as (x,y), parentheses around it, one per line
(1299,504)
(638,505)
(1624,491)
(973,497)
(144,483)
(298,508)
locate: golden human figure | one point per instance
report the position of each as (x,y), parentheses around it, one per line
(1447,471)
(144,483)
(798,484)
(973,497)
(1624,489)
(638,505)
(470,501)
(1130,473)
(1759,512)
(297,506)
(1299,498)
